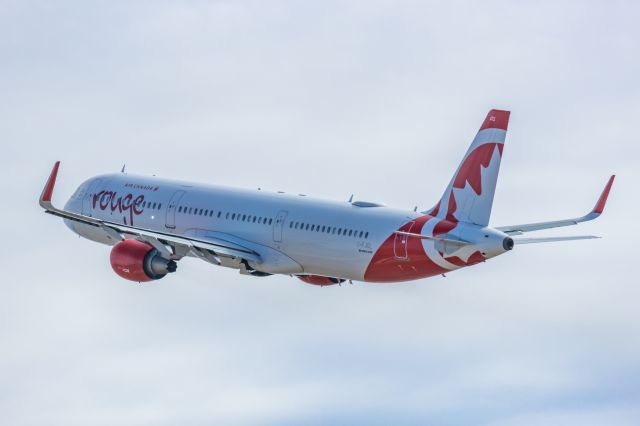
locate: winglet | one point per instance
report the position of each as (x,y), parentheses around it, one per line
(47,192)
(599,207)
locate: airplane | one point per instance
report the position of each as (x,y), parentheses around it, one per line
(152,223)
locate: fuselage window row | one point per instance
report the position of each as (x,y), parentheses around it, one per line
(328,229)
(260,220)
(196,211)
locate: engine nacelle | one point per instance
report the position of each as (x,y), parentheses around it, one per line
(138,261)
(320,280)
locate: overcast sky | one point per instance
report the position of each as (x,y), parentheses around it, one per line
(376,98)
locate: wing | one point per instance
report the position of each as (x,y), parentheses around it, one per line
(594,213)
(214,250)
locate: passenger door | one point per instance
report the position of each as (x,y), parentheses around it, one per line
(278,225)
(171,208)
(400,244)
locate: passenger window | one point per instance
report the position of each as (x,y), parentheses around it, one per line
(254,219)
(313,227)
(190,209)
(219,213)
(270,221)
(180,209)
(350,231)
(366,235)
(233,216)
(244,217)
(360,234)
(306,227)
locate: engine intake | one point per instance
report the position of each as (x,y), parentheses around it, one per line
(139,261)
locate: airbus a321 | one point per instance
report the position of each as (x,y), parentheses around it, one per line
(153,223)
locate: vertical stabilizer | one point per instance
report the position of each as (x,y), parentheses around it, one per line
(469,195)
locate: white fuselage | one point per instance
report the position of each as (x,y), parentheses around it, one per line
(336,239)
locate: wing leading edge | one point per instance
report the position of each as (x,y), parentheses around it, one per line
(211,249)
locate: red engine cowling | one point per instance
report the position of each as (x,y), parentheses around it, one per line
(319,280)
(137,261)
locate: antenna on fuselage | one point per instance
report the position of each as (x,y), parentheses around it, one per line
(351,198)
(124,166)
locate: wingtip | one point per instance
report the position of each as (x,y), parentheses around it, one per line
(602,201)
(47,192)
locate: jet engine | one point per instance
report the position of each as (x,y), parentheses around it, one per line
(320,280)
(139,261)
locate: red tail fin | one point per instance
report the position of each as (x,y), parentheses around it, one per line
(469,195)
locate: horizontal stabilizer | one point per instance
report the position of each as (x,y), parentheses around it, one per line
(551,239)
(429,237)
